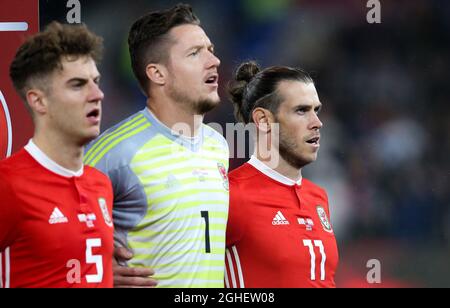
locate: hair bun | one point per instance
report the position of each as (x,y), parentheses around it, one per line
(247,71)
(236,88)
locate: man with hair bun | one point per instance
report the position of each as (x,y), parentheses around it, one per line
(279,233)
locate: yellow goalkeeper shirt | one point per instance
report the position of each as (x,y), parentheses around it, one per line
(170,198)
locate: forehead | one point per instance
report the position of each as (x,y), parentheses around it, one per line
(77,66)
(188,35)
(298,93)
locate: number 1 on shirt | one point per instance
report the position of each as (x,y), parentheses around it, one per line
(205,215)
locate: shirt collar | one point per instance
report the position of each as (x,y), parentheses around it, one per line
(271,173)
(169,131)
(48,163)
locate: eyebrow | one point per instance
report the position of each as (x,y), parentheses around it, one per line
(319,106)
(210,47)
(82,80)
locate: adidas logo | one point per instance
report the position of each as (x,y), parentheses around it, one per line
(57,217)
(279,219)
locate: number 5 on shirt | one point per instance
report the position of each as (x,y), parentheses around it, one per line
(74,275)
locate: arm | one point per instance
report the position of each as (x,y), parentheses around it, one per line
(130,205)
(237,221)
(9,214)
(129,277)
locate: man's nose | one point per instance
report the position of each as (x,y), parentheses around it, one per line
(214,61)
(96,93)
(315,122)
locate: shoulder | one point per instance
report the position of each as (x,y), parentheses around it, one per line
(96,174)
(242,182)
(243,173)
(14,171)
(17,165)
(117,146)
(316,192)
(5,180)
(313,187)
(215,137)
(96,179)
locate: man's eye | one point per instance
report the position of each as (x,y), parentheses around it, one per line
(194,53)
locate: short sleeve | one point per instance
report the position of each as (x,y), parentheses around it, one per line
(236,215)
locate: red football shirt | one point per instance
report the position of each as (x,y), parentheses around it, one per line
(55,229)
(279,233)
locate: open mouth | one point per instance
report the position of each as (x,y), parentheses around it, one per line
(313,141)
(212,80)
(94,114)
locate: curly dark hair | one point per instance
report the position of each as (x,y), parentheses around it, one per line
(42,53)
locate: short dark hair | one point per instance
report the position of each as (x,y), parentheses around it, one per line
(148,38)
(42,53)
(253,87)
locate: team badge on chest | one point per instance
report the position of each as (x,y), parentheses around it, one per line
(105,212)
(324,219)
(224,174)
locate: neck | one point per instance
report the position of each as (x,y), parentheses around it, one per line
(288,171)
(280,165)
(182,121)
(56,147)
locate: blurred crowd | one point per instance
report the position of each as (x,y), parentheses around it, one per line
(385,150)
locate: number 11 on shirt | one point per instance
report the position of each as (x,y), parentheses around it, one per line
(319,244)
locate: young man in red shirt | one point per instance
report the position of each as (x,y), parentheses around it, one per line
(279,232)
(55,214)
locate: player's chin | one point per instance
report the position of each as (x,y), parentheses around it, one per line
(206,105)
(313,157)
(214,98)
(308,157)
(91,134)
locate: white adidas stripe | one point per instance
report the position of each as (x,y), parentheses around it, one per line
(227,281)
(230,265)
(5,274)
(1,270)
(238,263)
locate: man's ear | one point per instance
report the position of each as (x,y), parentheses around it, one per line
(36,100)
(263,119)
(157,73)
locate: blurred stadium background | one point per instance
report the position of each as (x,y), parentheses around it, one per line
(385,151)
